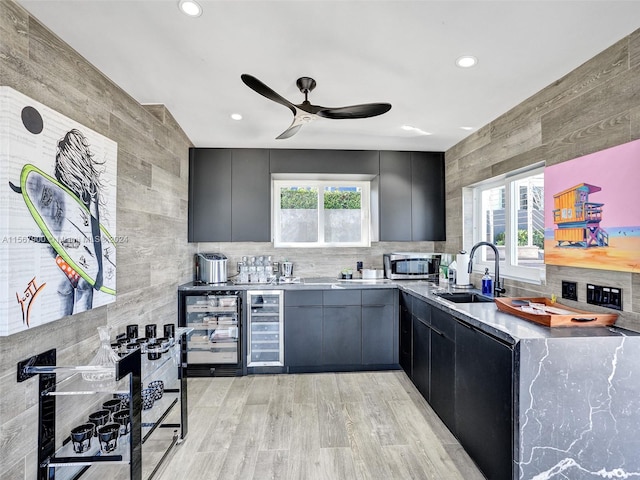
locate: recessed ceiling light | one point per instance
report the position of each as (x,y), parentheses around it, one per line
(466,61)
(236,116)
(466,128)
(190,7)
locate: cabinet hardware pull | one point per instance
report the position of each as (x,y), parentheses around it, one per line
(437,331)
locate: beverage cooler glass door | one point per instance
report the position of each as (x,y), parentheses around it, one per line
(214,319)
(265,326)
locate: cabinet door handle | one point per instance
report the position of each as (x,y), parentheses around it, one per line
(465,325)
(437,331)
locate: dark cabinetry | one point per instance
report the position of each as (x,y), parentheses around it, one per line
(230,190)
(412,196)
(229,195)
(466,375)
(303,328)
(405,333)
(443,367)
(421,330)
(484,400)
(341,327)
(343,330)
(360,162)
(379,327)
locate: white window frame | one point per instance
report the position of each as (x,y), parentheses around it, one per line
(365,211)
(473,195)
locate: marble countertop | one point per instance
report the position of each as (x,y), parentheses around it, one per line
(484,316)
(505,326)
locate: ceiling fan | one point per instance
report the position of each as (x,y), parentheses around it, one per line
(305,112)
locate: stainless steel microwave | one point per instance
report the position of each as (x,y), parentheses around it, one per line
(411,266)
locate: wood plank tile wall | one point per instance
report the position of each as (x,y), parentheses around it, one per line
(151,214)
(596,106)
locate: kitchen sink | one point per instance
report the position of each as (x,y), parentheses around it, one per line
(464,297)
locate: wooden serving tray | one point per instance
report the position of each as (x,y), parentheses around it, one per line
(553,314)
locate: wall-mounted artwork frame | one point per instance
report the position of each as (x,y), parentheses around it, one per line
(592,210)
(58,215)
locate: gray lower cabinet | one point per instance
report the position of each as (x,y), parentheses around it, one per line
(443,351)
(303,328)
(340,329)
(376,332)
(341,335)
(484,400)
(303,336)
(379,327)
(405,348)
(422,357)
(466,376)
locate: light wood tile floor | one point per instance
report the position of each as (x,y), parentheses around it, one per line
(328,426)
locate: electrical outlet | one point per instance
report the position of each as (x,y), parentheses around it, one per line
(570,290)
(609,297)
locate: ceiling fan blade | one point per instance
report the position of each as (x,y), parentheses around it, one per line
(355,111)
(259,87)
(289,132)
(300,118)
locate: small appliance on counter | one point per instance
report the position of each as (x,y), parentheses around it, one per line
(462,277)
(211,268)
(411,266)
(372,274)
(287,273)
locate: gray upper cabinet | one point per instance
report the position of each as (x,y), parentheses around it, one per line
(230,190)
(427,196)
(360,162)
(229,195)
(250,196)
(412,196)
(209,195)
(395,196)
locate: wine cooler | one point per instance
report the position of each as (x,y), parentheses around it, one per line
(265,328)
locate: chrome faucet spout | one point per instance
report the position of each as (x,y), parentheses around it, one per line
(498,286)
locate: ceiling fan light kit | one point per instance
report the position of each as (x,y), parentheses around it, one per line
(305,112)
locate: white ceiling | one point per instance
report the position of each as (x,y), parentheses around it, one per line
(359,51)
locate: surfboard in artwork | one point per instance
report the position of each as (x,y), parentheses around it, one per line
(66,224)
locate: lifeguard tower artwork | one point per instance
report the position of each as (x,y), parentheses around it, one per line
(593,219)
(577,219)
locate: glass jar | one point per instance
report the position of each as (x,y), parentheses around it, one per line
(104,362)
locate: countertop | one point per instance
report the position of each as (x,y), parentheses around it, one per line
(484,316)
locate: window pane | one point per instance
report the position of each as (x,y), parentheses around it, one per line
(493,221)
(342,214)
(299,214)
(530,220)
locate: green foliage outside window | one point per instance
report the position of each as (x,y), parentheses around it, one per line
(299,198)
(342,200)
(538,238)
(308,199)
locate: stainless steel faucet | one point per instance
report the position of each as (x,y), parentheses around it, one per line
(497,289)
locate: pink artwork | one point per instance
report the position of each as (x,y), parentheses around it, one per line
(592,214)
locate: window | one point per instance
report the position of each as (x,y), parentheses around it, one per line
(320,213)
(509,212)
